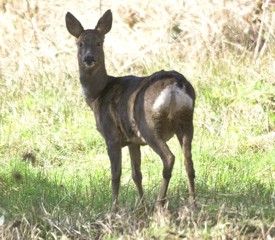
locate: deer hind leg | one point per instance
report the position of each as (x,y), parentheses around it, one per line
(135,163)
(114,152)
(168,159)
(185,136)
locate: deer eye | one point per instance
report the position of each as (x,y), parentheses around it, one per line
(98,44)
(80,44)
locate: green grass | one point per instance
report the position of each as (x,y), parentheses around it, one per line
(55,176)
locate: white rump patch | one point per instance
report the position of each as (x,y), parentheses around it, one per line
(173,98)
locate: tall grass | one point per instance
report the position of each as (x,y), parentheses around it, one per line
(54,170)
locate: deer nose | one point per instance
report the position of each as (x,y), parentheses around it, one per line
(89,59)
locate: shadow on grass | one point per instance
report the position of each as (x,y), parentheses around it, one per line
(25,189)
(84,202)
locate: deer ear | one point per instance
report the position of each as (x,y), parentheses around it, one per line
(104,24)
(73,25)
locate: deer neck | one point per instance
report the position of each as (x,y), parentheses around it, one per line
(93,81)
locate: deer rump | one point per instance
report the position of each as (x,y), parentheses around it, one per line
(138,110)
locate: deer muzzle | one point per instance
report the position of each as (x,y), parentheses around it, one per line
(89,61)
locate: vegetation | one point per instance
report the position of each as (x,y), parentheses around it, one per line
(54,170)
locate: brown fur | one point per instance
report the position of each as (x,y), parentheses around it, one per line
(129,110)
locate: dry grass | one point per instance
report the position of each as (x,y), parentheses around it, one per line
(33,35)
(184,224)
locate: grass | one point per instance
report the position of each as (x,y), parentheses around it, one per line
(54,170)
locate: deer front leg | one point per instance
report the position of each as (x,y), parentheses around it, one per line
(135,163)
(114,152)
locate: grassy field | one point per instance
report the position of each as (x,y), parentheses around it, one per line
(55,178)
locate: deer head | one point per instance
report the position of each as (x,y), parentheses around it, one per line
(90,41)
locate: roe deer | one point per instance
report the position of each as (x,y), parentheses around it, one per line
(133,111)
